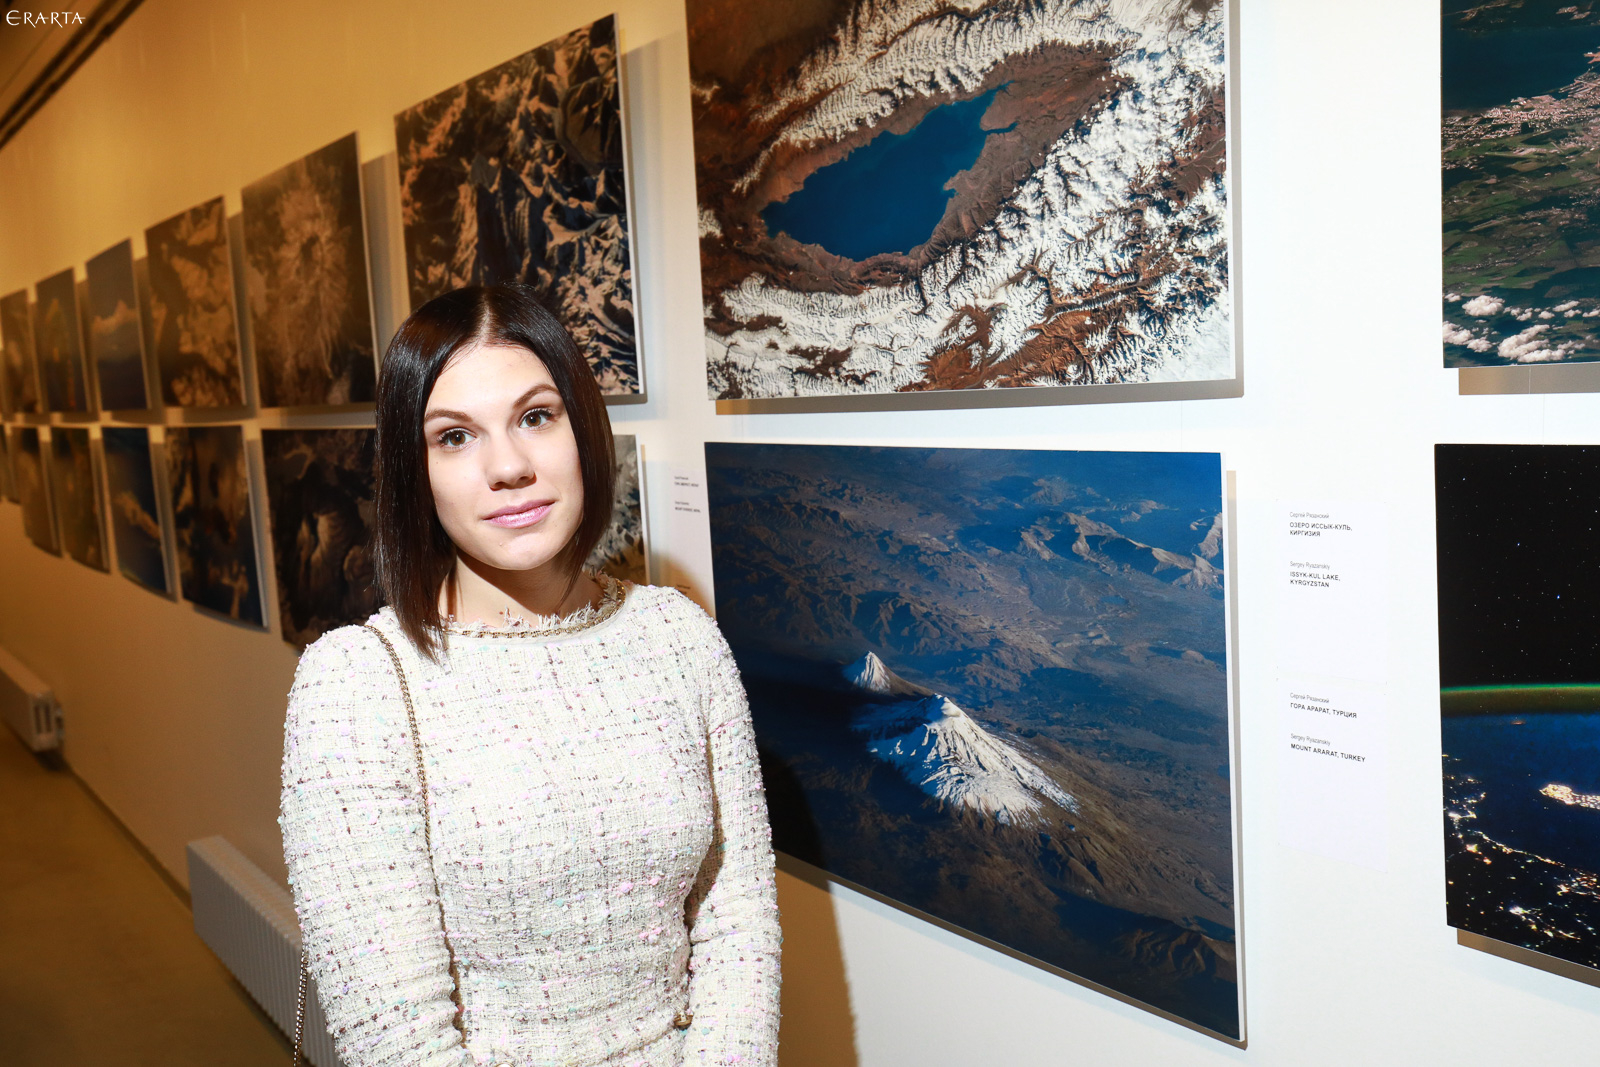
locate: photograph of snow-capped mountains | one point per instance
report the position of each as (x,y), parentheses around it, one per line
(519,174)
(919,195)
(991,686)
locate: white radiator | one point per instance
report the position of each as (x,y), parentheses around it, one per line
(248,920)
(28,705)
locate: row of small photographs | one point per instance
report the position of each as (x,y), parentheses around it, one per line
(319,499)
(307,283)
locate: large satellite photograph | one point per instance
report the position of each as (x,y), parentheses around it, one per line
(306,276)
(1521,148)
(1520,694)
(992,686)
(191,309)
(920,195)
(518,175)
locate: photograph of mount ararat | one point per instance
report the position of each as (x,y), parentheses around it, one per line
(991,686)
(911,196)
(518,175)
(1521,148)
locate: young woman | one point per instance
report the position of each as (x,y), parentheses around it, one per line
(522,812)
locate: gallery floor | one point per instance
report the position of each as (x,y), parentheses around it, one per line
(99,962)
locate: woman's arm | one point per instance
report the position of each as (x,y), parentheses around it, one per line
(733,909)
(358,865)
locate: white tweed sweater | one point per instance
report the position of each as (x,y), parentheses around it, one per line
(599,830)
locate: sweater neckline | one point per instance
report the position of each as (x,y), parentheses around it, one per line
(613,594)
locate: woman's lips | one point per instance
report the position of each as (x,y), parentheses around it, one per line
(520,515)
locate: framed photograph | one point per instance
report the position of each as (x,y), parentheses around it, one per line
(990,686)
(76,491)
(621,551)
(116,334)
(320,496)
(1519,703)
(1521,235)
(191,309)
(901,198)
(135,515)
(58,344)
(33,487)
(213,524)
(519,174)
(21,392)
(306,272)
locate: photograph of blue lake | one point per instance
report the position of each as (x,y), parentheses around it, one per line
(990,686)
(1520,694)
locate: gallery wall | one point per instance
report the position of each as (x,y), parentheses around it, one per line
(174,717)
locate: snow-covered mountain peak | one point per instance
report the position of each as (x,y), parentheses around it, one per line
(950,756)
(872,675)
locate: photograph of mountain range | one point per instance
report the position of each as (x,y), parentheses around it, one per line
(1520,694)
(77,497)
(57,343)
(518,174)
(191,309)
(991,686)
(319,495)
(27,467)
(306,272)
(116,336)
(21,387)
(210,485)
(919,196)
(135,515)
(621,551)
(1521,148)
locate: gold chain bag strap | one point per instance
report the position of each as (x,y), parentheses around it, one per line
(427,838)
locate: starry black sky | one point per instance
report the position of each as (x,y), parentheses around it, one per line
(1519,564)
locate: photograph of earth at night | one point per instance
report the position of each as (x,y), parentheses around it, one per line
(1519,670)
(991,686)
(1521,144)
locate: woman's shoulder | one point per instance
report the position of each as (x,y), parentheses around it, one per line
(342,647)
(669,612)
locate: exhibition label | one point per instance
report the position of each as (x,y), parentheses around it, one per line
(1333,749)
(1333,591)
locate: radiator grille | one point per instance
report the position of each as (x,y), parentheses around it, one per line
(248,920)
(27,705)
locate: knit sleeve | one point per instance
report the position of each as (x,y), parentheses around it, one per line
(358,864)
(733,908)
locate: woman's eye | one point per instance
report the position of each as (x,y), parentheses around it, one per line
(537,418)
(453,438)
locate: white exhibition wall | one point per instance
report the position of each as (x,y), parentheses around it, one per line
(174,717)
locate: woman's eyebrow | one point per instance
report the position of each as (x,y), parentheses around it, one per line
(462,416)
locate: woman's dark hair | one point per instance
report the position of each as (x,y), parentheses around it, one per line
(413,553)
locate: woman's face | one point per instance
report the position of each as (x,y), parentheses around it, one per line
(502,458)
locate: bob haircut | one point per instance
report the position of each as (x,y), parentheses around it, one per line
(413,554)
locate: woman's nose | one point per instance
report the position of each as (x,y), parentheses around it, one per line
(509,463)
